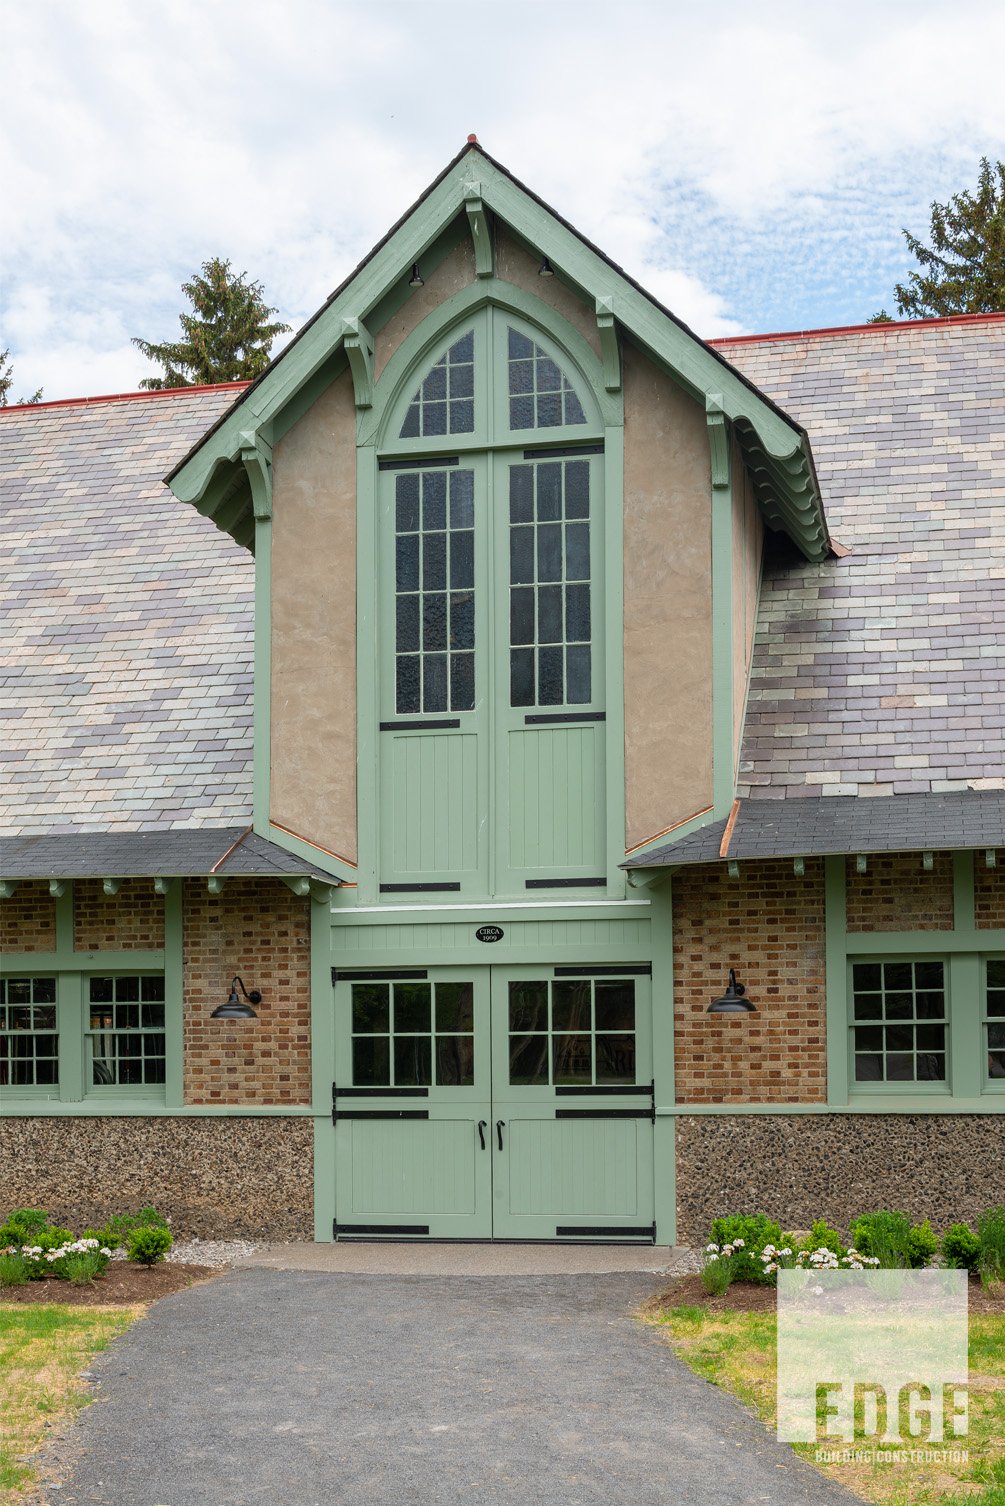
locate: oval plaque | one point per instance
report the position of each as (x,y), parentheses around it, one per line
(489,933)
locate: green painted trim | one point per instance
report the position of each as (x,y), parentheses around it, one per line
(262,766)
(836,974)
(109,1108)
(486,911)
(967,1056)
(174,994)
(665,1176)
(70,1019)
(322,1069)
(672,834)
(944,1104)
(324,862)
(478,955)
(664,1069)
(963,891)
(71,962)
(614,653)
(723,749)
(481,230)
(367,672)
(358,343)
(924,943)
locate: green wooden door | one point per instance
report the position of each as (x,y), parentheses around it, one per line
(572,1129)
(412,1104)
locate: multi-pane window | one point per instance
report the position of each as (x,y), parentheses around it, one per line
(29,1042)
(540,394)
(434,590)
(994,1015)
(900,1022)
(125,1038)
(550,627)
(445,402)
(575,1032)
(413,1034)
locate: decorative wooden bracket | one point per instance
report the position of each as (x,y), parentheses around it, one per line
(928,861)
(111,887)
(799,867)
(256,457)
(733,868)
(645,878)
(609,348)
(990,857)
(57,888)
(358,344)
(321,893)
(481,231)
(718,440)
(301,887)
(7,887)
(215,883)
(163,885)
(861,863)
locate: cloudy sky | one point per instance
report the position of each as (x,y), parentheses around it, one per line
(752,163)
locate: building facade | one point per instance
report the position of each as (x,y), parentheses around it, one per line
(502,668)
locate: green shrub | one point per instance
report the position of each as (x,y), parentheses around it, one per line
(18,1227)
(82,1266)
(991,1254)
(717,1273)
(754,1231)
(148,1244)
(820,1237)
(960,1247)
(889,1237)
(14,1269)
(116,1232)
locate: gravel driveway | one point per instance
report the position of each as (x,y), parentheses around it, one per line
(267,1388)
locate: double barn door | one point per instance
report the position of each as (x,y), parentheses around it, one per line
(494,1102)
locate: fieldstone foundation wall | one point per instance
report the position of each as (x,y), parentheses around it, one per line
(215,1178)
(800,1167)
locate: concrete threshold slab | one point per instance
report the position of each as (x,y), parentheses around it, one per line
(384,1258)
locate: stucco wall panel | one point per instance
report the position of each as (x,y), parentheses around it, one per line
(800,1167)
(668,602)
(313,791)
(214,1178)
(516,265)
(450,276)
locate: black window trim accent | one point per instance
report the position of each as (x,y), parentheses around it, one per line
(379,975)
(551,717)
(565,451)
(564,883)
(419,463)
(605,970)
(444,724)
(420,888)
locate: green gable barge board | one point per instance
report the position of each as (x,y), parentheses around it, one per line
(815,826)
(230,852)
(775,447)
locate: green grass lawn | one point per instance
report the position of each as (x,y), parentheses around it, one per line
(42,1351)
(736,1350)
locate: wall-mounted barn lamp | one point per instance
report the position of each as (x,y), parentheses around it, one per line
(732,1001)
(545,269)
(235,1008)
(416,280)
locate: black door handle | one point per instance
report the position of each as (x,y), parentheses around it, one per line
(482,1127)
(500,1126)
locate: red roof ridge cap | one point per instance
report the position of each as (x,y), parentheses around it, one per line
(127,397)
(850,329)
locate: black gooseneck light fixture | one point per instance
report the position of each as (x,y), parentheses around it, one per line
(235,1008)
(545,269)
(732,1001)
(416,280)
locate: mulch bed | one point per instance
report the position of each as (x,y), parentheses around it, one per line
(747,1297)
(123,1283)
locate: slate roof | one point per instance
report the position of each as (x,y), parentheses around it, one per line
(233,852)
(884,673)
(818,825)
(126,625)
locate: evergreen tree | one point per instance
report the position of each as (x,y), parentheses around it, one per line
(963,271)
(226,338)
(7,380)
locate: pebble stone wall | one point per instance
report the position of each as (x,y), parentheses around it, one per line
(800,1167)
(215,1178)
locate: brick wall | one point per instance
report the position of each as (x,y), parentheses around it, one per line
(132,920)
(896,894)
(769,925)
(28,919)
(989,894)
(259,930)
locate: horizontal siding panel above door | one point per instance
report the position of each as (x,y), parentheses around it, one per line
(556,799)
(601,939)
(430,805)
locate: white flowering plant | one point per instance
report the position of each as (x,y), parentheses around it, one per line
(822,1258)
(66,1260)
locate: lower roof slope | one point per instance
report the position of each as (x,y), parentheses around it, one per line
(126,625)
(884,672)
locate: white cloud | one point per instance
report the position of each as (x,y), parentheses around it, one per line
(752,171)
